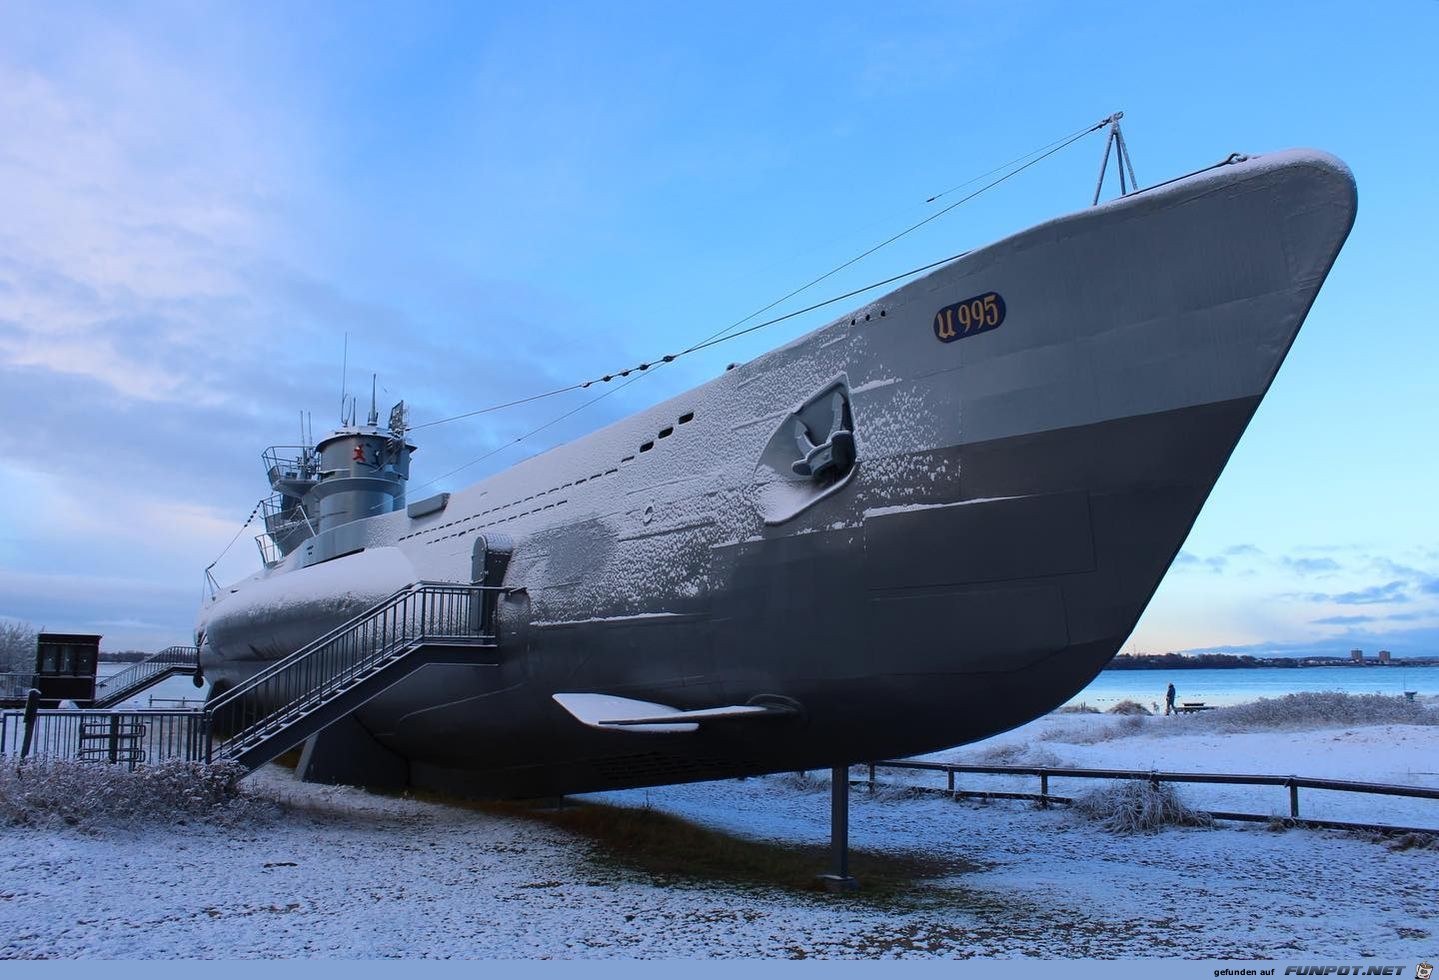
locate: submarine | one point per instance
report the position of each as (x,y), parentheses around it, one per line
(930,520)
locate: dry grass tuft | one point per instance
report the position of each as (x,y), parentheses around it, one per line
(1016,754)
(1318,709)
(1137,805)
(93,797)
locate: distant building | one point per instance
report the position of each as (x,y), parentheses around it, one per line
(1357,656)
(1384,656)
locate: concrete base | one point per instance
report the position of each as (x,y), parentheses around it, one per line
(346,753)
(838,883)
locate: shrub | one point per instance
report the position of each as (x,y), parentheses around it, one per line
(1129,708)
(1309,709)
(1077,709)
(1132,805)
(92,797)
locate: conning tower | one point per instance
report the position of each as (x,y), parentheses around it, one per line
(354,472)
(363,470)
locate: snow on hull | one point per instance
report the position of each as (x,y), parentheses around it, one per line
(715,548)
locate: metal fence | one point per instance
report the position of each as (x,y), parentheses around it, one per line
(129,738)
(1047,773)
(14,687)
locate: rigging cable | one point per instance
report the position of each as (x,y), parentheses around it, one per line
(728,333)
(714,340)
(724,334)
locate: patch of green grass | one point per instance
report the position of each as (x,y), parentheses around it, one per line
(674,851)
(289,759)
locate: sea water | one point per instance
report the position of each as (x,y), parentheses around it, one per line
(1241,684)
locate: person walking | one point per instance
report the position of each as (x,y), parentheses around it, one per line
(1169,700)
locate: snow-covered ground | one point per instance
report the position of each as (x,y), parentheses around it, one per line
(1403,754)
(338,872)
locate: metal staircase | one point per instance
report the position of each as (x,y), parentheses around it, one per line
(169,662)
(335,675)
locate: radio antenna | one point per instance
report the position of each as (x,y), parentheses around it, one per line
(344,376)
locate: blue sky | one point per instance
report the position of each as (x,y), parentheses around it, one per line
(200,201)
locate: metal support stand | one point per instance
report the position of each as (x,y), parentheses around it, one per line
(1115,142)
(839,879)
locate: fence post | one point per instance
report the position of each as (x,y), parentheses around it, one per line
(871,777)
(114,752)
(1293,799)
(1043,788)
(950,773)
(32,708)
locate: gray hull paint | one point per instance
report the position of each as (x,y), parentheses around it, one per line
(1017,498)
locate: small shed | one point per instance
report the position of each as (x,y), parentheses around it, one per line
(65,665)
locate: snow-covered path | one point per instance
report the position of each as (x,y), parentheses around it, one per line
(345,874)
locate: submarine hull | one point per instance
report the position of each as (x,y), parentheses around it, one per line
(920,526)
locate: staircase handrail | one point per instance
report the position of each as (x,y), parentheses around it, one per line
(222,700)
(167,659)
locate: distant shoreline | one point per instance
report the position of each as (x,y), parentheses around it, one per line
(1226,661)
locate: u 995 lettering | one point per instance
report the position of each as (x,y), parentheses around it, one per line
(969,317)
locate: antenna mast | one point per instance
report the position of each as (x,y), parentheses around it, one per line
(344,376)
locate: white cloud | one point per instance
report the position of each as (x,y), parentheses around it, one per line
(135,191)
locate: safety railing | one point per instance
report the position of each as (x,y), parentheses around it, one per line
(291,464)
(14,687)
(134,679)
(289,689)
(130,738)
(1047,773)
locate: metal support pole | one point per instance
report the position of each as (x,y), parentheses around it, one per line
(1124,157)
(1103,166)
(839,879)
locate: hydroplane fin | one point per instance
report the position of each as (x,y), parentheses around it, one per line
(609,711)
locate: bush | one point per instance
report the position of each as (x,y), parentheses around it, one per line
(92,797)
(1310,709)
(1076,709)
(1133,805)
(1129,708)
